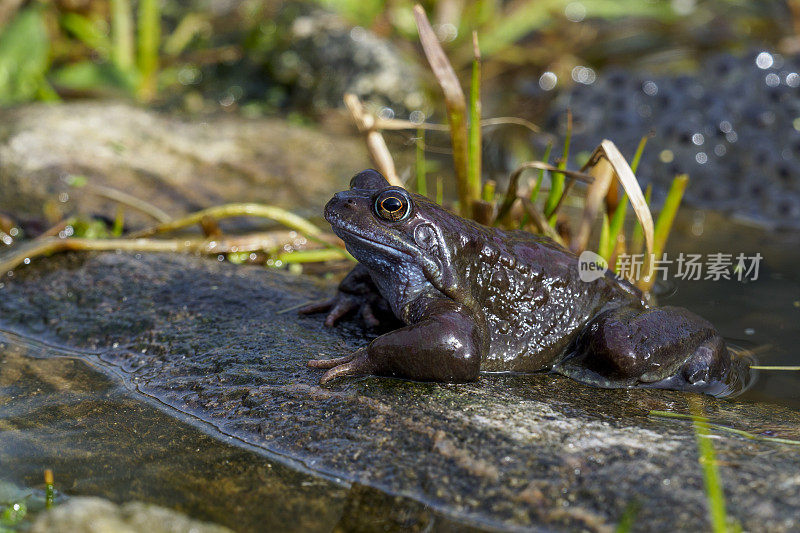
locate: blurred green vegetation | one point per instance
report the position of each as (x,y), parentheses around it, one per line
(164,50)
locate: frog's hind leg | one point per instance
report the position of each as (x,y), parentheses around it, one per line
(663,347)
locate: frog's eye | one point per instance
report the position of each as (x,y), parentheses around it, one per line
(392,206)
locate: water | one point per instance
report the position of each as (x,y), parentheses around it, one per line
(69,412)
(104,435)
(762,315)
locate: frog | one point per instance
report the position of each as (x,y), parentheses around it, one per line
(474,299)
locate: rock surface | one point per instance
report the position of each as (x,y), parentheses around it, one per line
(294,54)
(222,343)
(177,165)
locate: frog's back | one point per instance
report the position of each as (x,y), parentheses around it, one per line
(534,300)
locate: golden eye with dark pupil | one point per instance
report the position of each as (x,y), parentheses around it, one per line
(391,208)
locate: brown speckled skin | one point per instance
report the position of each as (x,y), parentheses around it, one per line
(480,298)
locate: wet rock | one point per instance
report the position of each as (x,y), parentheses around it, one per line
(325,58)
(175,164)
(102,516)
(733,128)
(296,55)
(511,451)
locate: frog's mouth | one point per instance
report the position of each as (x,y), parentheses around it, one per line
(362,241)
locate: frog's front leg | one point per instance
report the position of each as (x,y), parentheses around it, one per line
(445,342)
(358,292)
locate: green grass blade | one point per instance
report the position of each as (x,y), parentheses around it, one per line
(720,427)
(88,32)
(314,256)
(540,179)
(475,119)
(420,167)
(606,246)
(149,40)
(714,494)
(557,179)
(24,56)
(489,191)
(628,517)
(49,494)
(616,223)
(122,34)
(456,109)
(618,217)
(667,215)
(637,236)
(637,157)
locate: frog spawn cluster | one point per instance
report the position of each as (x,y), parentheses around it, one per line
(734,128)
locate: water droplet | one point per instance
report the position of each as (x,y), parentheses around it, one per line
(772,79)
(666,156)
(548,81)
(417,117)
(358,34)
(764,60)
(683,7)
(386,113)
(701,158)
(650,88)
(698,139)
(189,75)
(575,11)
(446,32)
(793,79)
(583,75)
(720,150)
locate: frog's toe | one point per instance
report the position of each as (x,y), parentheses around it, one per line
(369,316)
(316,307)
(358,365)
(706,364)
(330,363)
(336,308)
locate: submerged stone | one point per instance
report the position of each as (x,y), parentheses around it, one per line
(102,516)
(223,343)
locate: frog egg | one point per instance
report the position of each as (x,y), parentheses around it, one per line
(784,208)
(787,172)
(722,67)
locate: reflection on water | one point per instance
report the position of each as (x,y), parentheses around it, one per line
(60,413)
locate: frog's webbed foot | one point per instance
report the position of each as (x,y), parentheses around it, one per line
(355,364)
